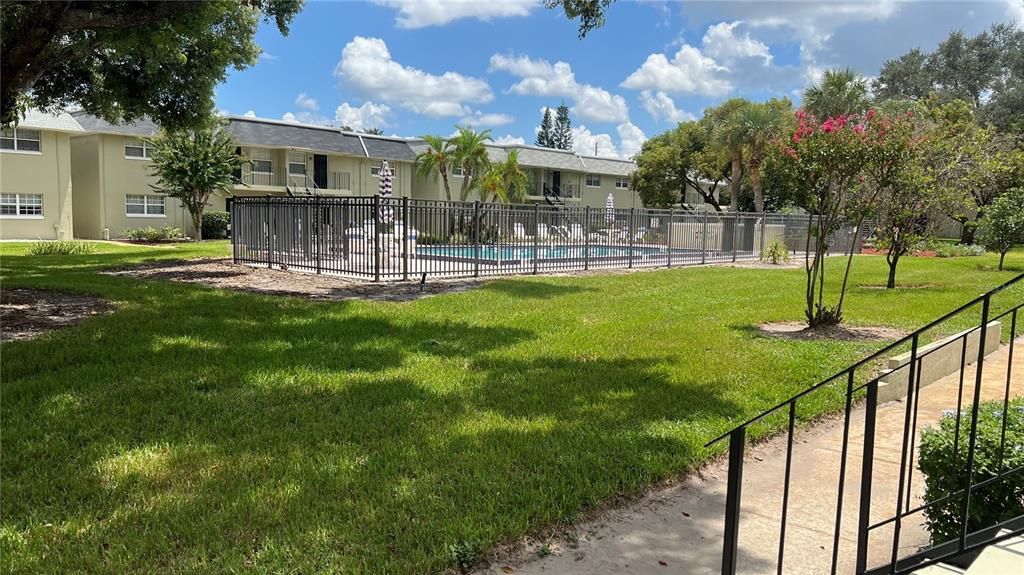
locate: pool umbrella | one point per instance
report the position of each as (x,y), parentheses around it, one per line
(609,209)
(384,189)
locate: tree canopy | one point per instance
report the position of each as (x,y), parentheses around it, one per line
(125,60)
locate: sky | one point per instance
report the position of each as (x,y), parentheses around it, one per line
(415,67)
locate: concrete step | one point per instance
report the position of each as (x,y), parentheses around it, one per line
(939,569)
(1003,558)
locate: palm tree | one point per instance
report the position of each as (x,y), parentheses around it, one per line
(760,124)
(438,157)
(840,93)
(505,181)
(470,153)
(729,135)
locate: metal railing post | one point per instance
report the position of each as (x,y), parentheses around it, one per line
(376,238)
(972,442)
(476,238)
(632,225)
(735,232)
(704,239)
(405,238)
(737,441)
(233,218)
(668,238)
(536,235)
(586,238)
(867,463)
(316,231)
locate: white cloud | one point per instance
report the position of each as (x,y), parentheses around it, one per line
(723,45)
(661,107)
(1015,8)
(366,66)
(289,117)
(479,119)
(307,103)
(250,114)
(631,139)
(689,72)
(267,57)
(510,140)
(369,115)
(423,13)
(542,78)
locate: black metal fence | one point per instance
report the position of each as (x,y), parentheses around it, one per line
(378,238)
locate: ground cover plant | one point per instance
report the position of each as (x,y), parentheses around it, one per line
(205,430)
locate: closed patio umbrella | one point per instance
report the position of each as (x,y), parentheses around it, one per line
(384,189)
(609,209)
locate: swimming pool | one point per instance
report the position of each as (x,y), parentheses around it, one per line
(495,254)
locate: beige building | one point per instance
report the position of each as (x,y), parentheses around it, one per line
(36,176)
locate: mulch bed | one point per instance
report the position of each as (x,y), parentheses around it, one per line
(223,273)
(27,313)
(799,331)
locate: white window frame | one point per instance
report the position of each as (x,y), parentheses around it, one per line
(292,162)
(587,180)
(19,202)
(622,183)
(457,172)
(17,138)
(147,201)
(141,144)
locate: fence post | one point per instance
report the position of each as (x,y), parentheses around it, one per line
(704,239)
(536,235)
(668,239)
(586,238)
(632,214)
(376,238)
(867,463)
(735,232)
(233,218)
(316,231)
(405,238)
(732,501)
(476,239)
(764,224)
(271,232)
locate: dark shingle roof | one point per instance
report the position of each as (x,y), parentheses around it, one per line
(280,135)
(388,149)
(90,123)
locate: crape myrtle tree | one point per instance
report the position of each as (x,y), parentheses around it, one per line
(822,161)
(1003,223)
(194,164)
(125,60)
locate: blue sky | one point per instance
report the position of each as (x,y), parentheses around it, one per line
(414,67)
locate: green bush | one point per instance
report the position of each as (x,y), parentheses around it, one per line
(61,248)
(151,234)
(215,225)
(775,253)
(943,465)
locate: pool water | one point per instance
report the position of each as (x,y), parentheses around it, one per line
(507,253)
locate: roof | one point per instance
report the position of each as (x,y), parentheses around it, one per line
(253,132)
(90,123)
(61,122)
(609,166)
(388,148)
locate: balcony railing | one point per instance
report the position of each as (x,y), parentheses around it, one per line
(339,181)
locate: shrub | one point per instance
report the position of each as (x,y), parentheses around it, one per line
(61,248)
(151,234)
(215,225)
(948,249)
(943,465)
(775,253)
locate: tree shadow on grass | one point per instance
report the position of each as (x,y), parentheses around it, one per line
(535,289)
(222,431)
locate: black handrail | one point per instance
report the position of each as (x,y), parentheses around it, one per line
(913,369)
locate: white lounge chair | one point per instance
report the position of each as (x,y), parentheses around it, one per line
(576,232)
(519,232)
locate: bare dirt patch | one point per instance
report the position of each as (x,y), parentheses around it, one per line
(229,275)
(27,313)
(799,331)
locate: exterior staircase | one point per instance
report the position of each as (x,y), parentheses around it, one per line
(1003,558)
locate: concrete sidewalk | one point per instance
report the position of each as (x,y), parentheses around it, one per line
(679,529)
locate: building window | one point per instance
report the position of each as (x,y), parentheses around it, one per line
(20,140)
(593,181)
(457,172)
(296,164)
(622,183)
(21,205)
(138,149)
(375,172)
(144,206)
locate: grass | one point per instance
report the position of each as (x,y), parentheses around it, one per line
(205,430)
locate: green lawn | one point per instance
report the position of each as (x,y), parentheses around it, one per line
(206,430)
